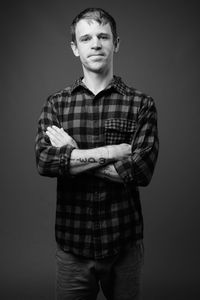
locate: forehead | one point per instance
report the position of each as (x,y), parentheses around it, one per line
(84,27)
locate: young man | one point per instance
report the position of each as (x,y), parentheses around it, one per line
(99,138)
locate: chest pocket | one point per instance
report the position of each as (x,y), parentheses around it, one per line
(119,131)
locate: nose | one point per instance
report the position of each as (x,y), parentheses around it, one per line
(96,43)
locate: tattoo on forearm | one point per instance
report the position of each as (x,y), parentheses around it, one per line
(90,160)
(102,160)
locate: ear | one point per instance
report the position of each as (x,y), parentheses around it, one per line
(117,42)
(74,49)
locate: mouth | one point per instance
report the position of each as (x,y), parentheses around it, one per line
(96,55)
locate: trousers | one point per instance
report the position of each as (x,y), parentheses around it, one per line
(119,277)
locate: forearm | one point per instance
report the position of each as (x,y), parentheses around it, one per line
(85,160)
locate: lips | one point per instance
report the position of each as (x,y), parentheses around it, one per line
(96,55)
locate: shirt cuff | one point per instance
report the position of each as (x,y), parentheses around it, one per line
(65,154)
(123,168)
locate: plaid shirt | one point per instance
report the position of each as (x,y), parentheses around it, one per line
(96,217)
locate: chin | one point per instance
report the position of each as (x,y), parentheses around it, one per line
(98,69)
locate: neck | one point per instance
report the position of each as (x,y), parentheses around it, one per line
(97,82)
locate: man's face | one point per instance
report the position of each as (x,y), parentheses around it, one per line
(94,45)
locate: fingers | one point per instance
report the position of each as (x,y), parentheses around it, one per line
(58,132)
(59,137)
(57,129)
(53,134)
(54,141)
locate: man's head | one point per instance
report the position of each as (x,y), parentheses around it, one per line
(95,14)
(95,40)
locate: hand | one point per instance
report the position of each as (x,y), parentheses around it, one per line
(59,137)
(108,172)
(120,151)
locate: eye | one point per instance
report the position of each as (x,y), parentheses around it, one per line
(104,37)
(85,39)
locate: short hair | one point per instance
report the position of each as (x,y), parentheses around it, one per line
(97,14)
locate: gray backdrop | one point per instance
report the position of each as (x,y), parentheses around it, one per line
(159,54)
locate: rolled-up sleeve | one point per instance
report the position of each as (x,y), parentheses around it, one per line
(139,167)
(51,161)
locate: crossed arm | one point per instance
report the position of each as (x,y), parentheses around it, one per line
(59,154)
(97,160)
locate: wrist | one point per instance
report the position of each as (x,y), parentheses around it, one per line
(110,153)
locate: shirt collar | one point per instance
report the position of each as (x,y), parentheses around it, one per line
(77,83)
(116,83)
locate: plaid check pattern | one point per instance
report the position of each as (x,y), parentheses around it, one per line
(96,217)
